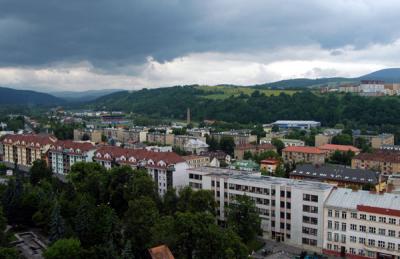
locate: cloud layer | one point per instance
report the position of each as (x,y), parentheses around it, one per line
(84,44)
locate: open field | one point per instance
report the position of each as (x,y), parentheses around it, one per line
(223,92)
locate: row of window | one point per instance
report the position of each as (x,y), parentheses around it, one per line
(362,240)
(310,209)
(373,230)
(362,216)
(361,252)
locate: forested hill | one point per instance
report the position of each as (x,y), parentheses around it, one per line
(257,107)
(10,96)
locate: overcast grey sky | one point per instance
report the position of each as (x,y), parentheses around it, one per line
(97,44)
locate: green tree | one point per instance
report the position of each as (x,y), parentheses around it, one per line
(279,145)
(64,249)
(39,171)
(140,217)
(342,139)
(243,218)
(247,155)
(57,224)
(127,252)
(8,253)
(227,144)
(275,128)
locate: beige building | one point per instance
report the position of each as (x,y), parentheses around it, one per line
(296,155)
(23,150)
(384,161)
(252,148)
(160,138)
(93,135)
(238,137)
(195,161)
(376,141)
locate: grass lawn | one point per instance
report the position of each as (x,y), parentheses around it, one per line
(223,92)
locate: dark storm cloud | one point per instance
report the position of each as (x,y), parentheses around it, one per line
(109,33)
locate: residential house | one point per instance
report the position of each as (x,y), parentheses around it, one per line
(195,161)
(331,148)
(269,165)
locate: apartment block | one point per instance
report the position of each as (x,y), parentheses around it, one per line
(384,161)
(252,148)
(240,138)
(65,153)
(91,134)
(167,169)
(290,210)
(160,138)
(306,154)
(23,150)
(361,224)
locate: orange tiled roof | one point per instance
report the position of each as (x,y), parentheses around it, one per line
(339,147)
(309,150)
(380,155)
(161,252)
(73,145)
(29,139)
(252,146)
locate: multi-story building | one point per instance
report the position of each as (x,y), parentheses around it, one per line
(239,137)
(64,153)
(326,136)
(23,150)
(376,141)
(384,161)
(87,134)
(391,147)
(361,224)
(286,141)
(290,210)
(125,135)
(195,161)
(340,176)
(293,124)
(269,165)
(160,138)
(252,148)
(167,169)
(296,155)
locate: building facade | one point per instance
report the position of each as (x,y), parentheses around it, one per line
(252,148)
(296,155)
(167,169)
(360,224)
(65,153)
(294,124)
(384,161)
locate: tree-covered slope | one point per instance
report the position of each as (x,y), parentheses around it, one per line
(10,96)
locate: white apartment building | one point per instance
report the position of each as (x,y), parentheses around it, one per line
(290,210)
(360,224)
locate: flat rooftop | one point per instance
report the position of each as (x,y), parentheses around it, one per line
(349,199)
(258,178)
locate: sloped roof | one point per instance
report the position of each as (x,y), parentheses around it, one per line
(309,150)
(30,138)
(161,252)
(343,148)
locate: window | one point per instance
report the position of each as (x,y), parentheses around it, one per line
(391,233)
(212,183)
(352,251)
(310,209)
(343,226)
(336,237)
(343,239)
(282,204)
(390,246)
(353,226)
(310,231)
(288,194)
(329,236)
(344,215)
(363,216)
(382,231)
(329,224)
(288,216)
(336,225)
(371,242)
(392,221)
(282,193)
(354,215)
(381,244)
(330,213)
(288,226)
(308,241)
(282,225)
(353,239)
(288,205)
(361,240)
(382,219)
(282,215)
(363,228)
(372,230)
(372,218)
(336,214)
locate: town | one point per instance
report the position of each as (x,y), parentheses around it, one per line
(339,196)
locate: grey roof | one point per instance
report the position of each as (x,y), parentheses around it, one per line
(336,173)
(349,199)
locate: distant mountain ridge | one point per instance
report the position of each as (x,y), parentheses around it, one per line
(84,96)
(9,96)
(389,75)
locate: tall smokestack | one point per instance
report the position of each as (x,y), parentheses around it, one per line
(188,116)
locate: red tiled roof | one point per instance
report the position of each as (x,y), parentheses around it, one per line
(309,150)
(161,252)
(74,145)
(29,139)
(139,154)
(269,161)
(380,155)
(378,210)
(339,148)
